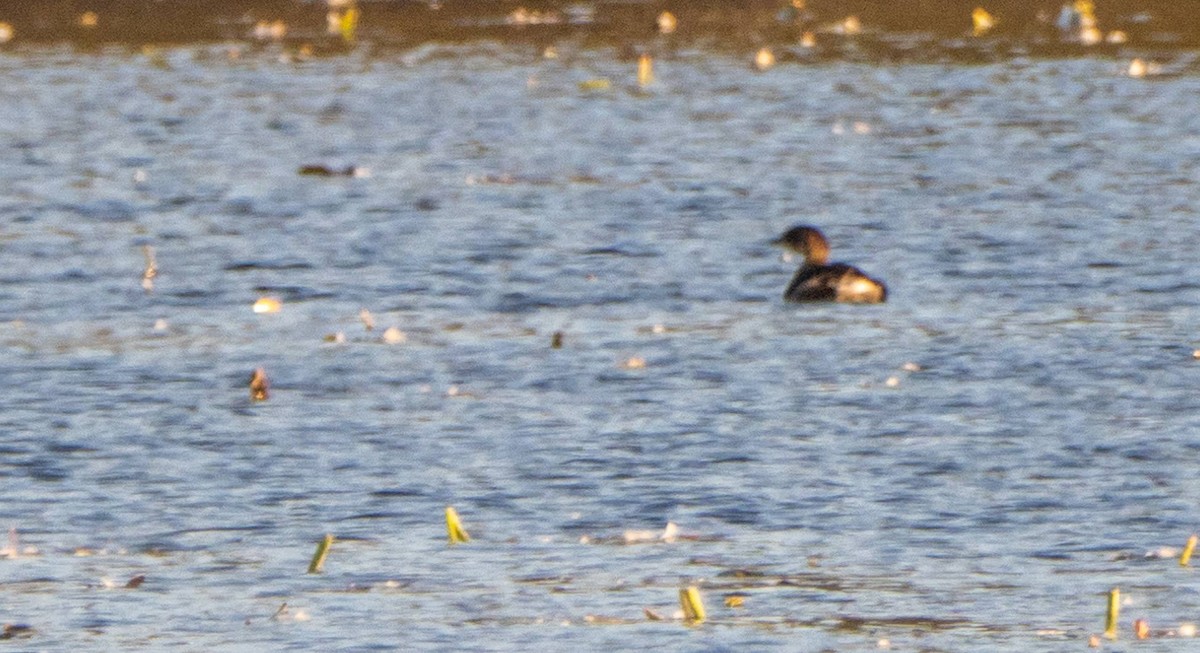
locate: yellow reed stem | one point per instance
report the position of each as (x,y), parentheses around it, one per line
(454,527)
(318,560)
(1186,556)
(1114,608)
(645,70)
(693,606)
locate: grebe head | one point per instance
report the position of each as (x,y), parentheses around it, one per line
(807,241)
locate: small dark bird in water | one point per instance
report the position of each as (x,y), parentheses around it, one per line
(818,280)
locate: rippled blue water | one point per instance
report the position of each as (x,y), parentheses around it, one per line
(1034,221)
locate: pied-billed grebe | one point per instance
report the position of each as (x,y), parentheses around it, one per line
(818,280)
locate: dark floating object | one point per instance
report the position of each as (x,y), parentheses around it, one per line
(258,385)
(556,340)
(16,631)
(136,581)
(818,280)
(326,171)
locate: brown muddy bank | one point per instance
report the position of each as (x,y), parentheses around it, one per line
(910,30)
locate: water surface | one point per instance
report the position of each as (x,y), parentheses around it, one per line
(971,465)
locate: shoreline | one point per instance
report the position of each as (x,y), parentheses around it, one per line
(922,30)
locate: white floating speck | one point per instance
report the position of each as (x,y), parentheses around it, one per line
(394,336)
(764,59)
(267,305)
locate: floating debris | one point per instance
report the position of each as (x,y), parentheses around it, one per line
(849,26)
(394,336)
(735,600)
(17,631)
(13,549)
(645,74)
(135,582)
(6,32)
(1160,552)
(259,385)
(1077,23)
(1139,68)
(556,340)
(669,534)
(285,614)
(342,19)
(600,84)
(808,40)
(693,605)
(667,23)
(454,527)
(267,305)
(322,552)
(1187,630)
(1141,629)
(764,59)
(982,21)
(151,270)
(652,615)
(911,367)
(89,19)
(368,320)
(522,16)
(269,30)
(337,338)
(634,363)
(319,170)
(601,620)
